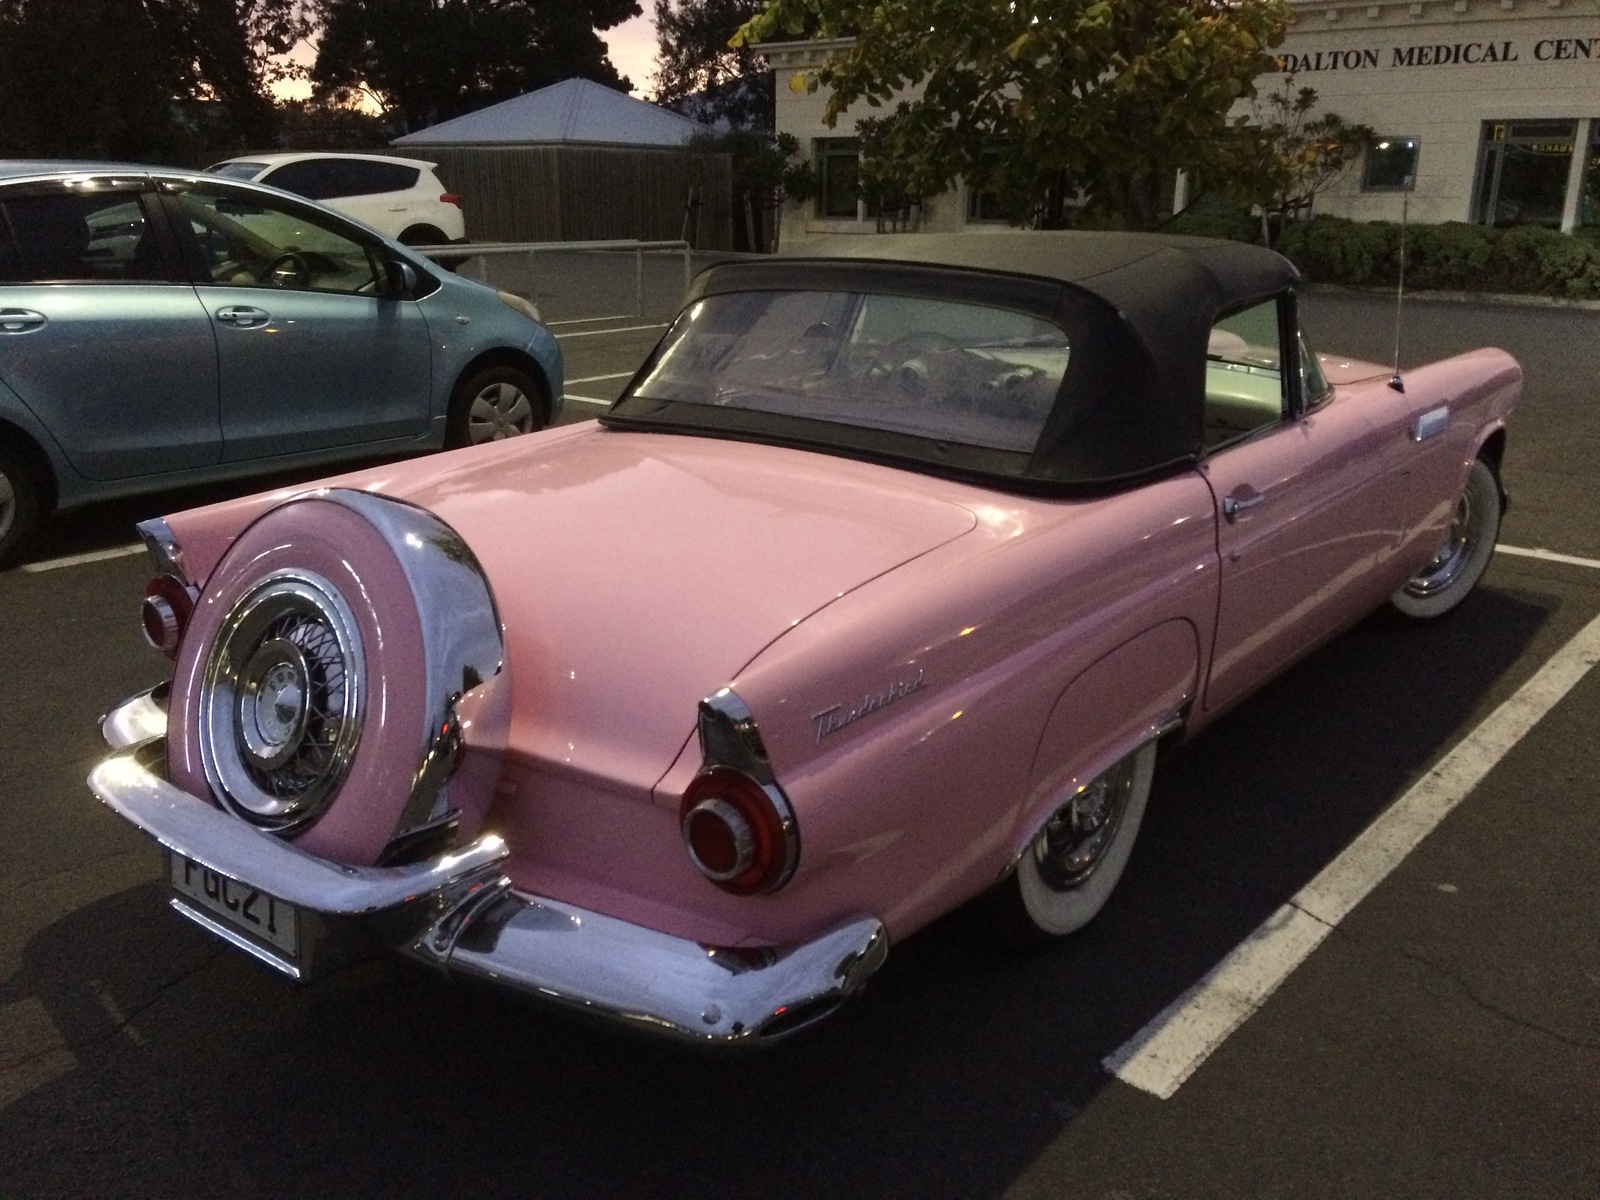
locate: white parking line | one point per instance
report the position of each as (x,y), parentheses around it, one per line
(587,400)
(599,332)
(1167,1051)
(1550,556)
(603,378)
(74,560)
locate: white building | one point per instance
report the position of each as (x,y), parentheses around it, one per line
(1486,110)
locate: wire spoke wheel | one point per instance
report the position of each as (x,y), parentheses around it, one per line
(281,711)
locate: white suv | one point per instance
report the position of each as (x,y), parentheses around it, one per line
(399,197)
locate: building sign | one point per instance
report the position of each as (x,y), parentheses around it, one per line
(1442,54)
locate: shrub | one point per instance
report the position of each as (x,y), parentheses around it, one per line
(1451,255)
(1234,226)
(1336,250)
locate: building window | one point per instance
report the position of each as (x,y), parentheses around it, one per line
(1522,172)
(838,176)
(1589,197)
(1391,165)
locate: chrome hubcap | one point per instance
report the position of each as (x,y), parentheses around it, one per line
(1451,558)
(500,411)
(281,709)
(1076,839)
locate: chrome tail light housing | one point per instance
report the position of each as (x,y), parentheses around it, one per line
(737,825)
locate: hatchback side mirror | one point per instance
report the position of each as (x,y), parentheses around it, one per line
(402,279)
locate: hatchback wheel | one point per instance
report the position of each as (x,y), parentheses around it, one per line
(20,506)
(493,405)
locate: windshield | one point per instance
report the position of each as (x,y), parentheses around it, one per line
(959,372)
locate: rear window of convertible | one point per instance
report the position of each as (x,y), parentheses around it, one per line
(953,371)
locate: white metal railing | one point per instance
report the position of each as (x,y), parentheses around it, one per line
(486,250)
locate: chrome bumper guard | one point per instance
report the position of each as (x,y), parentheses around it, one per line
(461,914)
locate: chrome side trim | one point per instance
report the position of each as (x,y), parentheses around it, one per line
(462,646)
(729,738)
(165,553)
(138,718)
(1431,423)
(459,913)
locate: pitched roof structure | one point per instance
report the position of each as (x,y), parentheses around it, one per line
(573,112)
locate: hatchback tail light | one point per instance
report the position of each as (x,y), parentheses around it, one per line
(168,605)
(740,834)
(451,198)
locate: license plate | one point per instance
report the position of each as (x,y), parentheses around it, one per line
(263,917)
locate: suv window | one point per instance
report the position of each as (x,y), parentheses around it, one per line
(329,178)
(95,237)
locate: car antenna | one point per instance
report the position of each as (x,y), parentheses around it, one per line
(1400,287)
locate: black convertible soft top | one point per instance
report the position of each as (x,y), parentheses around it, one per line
(1138,309)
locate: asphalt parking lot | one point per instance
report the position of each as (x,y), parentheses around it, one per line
(1441,1039)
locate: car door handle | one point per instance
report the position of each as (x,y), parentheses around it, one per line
(19,320)
(1232,506)
(243,317)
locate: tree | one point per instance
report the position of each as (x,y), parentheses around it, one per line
(1281,157)
(700,74)
(425,61)
(172,80)
(1040,101)
(728,89)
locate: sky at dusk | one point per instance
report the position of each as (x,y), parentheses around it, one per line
(632,47)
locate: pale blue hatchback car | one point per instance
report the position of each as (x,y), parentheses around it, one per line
(162,327)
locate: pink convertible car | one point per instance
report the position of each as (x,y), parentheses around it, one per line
(876,591)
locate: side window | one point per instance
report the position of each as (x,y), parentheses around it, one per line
(1244,376)
(312,178)
(838,175)
(246,242)
(83,237)
(370,177)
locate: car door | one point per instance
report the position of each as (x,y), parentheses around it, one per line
(313,348)
(1305,506)
(101,337)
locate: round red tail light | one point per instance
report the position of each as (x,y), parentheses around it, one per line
(739,834)
(168,605)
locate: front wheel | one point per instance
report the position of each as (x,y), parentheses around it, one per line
(1066,874)
(492,405)
(20,504)
(1463,556)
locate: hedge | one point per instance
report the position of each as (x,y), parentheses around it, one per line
(1453,256)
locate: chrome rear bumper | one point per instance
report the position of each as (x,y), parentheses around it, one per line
(461,914)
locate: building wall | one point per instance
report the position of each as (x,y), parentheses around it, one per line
(566,193)
(1439,71)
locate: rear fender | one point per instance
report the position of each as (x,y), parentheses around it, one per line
(1137,692)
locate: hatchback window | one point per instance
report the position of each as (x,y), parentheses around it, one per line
(83,237)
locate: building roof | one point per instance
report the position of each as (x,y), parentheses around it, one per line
(575,111)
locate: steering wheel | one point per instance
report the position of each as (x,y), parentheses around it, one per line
(289,269)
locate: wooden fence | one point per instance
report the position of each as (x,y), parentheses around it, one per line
(589,193)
